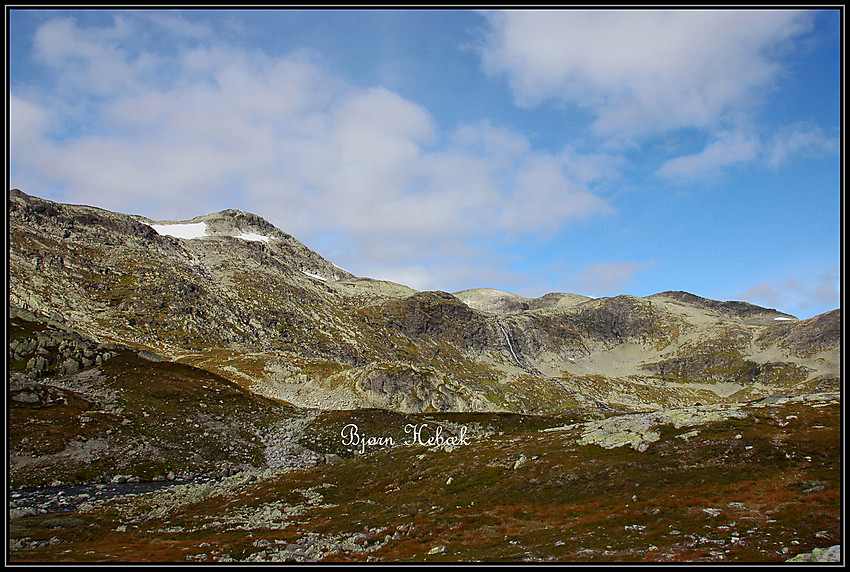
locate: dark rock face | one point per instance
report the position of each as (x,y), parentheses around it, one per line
(614,319)
(387,382)
(63,220)
(808,336)
(440,315)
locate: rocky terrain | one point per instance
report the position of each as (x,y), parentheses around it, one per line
(747,482)
(216,362)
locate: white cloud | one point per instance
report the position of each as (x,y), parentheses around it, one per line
(91,59)
(178,25)
(486,140)
(728,149)
(742,146)
(800,295)
(470,267)
(28,122)
(544,198)
(592,168)
(375,143)
(295,144)
(764,293)
(807,140)
(826,293)
(609,277)
(643,71)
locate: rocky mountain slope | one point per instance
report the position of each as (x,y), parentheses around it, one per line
(246,301)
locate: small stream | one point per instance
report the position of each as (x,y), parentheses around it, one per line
(530,369)
(67,498)
(508,339)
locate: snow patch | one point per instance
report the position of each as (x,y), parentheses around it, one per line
(188,230)
(311,275)
(784,319)
(253,237)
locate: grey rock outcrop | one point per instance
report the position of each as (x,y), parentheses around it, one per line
(831,554)
(639,430)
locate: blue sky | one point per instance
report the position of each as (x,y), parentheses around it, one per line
(595,152)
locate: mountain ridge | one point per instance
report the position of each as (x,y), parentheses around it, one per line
(281,320)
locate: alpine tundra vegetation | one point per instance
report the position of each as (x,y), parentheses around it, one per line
(213,390)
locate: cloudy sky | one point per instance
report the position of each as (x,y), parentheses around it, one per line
(593,152)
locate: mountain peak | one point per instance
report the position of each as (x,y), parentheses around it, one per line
(229,222)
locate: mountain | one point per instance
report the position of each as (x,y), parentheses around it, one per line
(190,391)
(233,295)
